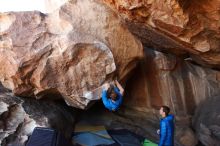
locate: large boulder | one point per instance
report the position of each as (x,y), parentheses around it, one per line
(69,53)
(20,116)
(177,26)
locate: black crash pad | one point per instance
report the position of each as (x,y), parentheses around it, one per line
(47,137)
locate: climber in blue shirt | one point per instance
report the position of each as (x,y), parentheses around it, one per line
(112,96)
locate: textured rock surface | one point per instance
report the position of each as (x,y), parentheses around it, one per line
(207,121)
(18,118)
(176,25)
(164,79)
(187,137)
(71,52)
(65,54)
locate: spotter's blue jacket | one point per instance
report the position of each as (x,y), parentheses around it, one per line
(167,131)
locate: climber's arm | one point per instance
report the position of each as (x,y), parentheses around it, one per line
(119,87)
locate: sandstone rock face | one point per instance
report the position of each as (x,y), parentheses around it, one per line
(164,79)
(207,121)
(187,137)
(178,26)
(69,53)
(19,117)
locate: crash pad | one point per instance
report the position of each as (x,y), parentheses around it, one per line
(149,143)
(91,135)
(47,137)
(91,139)
(124,137)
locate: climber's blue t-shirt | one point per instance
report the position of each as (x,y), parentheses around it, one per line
(109,104)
